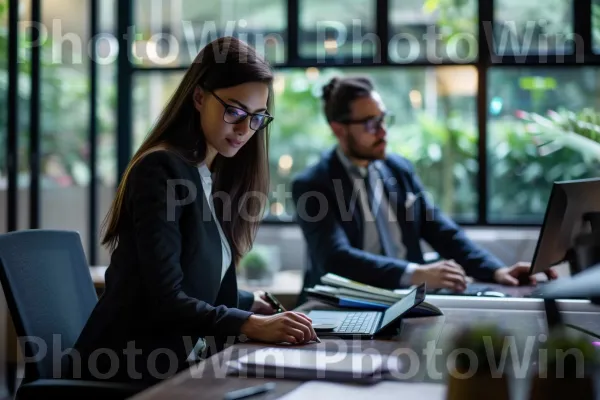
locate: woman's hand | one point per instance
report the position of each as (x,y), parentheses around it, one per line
(289,327)
(260,305)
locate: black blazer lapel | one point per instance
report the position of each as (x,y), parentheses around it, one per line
(209,224)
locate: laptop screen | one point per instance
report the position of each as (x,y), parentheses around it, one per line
(400,307)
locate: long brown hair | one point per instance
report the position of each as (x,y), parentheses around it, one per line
(244,178)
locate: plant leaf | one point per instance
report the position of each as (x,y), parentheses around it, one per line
(431,6)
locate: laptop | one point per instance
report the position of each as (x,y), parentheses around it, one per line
(368,324)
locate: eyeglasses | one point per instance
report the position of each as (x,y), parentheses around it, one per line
(235,115)
(373,124)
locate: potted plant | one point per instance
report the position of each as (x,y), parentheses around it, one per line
(568,363)
(472,376)
(255,267)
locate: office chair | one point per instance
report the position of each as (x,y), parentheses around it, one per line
(50,296)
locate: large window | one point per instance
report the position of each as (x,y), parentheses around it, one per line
(64,119)
(433,31)
(170,33)
(64,116)
(532,113)
(596,25)
(337,29)
(439,115)
(533,27)
(493,103)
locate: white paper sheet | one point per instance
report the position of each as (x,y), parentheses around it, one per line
(381,391)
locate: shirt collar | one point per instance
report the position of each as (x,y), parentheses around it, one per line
(350,167)
(205,173)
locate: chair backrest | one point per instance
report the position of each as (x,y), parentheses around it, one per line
(50,294)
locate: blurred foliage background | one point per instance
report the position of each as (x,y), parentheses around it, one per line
(436,114)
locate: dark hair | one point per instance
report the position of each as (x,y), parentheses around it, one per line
(339,93)
(223,63)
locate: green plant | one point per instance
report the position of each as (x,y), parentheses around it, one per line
(472,377)
(254,265)
(455,18)
(563,128)
(568,354)
(444,154)
(521,177)
(64,111)
(484,342)
(568,364)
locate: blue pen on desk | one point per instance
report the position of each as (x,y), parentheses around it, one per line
(250,391)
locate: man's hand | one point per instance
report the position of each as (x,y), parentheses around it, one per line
(260,305)
(445,274)
(513,275)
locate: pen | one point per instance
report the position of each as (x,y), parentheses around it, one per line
(279,307)
(274,303)
(249,391)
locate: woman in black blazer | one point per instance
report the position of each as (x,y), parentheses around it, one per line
(171,296)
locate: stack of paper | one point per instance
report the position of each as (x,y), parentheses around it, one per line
(352,293)
(344,292)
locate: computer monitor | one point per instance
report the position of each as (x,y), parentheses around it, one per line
(563,221)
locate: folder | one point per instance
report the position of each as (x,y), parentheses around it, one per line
(358,287)
(293,363)
(345,293)
(346,302)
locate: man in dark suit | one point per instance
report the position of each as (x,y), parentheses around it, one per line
(364,212)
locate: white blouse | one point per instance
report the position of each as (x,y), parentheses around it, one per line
(206,178)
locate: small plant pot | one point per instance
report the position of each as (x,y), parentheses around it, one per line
(482,385)
(258,275)
(471,375)
(569,369)
(256,268)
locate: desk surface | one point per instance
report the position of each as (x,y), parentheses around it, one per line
(208,380)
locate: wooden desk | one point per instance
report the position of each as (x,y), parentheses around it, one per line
(207,380)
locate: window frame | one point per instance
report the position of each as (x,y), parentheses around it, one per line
(485,61)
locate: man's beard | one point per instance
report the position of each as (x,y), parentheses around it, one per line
(368,154)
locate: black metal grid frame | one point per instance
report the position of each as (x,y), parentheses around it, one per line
(487,59)
(124,17)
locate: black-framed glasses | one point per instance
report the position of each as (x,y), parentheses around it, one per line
(235,115)
(373,124)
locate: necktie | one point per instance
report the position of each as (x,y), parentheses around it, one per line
(385,237)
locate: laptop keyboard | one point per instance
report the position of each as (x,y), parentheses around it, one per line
(358,322)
